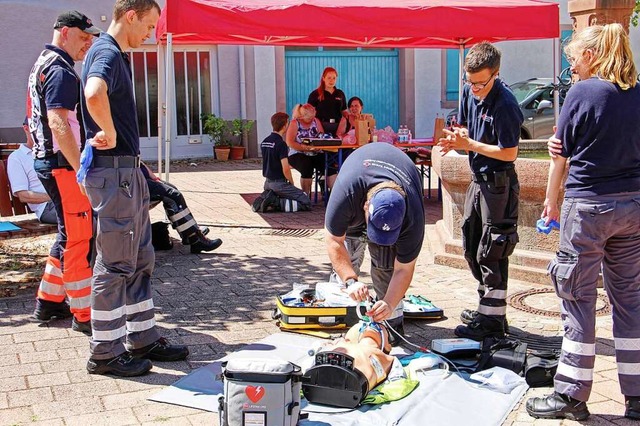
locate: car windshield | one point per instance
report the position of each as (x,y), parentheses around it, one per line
(524,89)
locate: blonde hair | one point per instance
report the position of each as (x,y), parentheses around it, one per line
(304,111)
(613,59)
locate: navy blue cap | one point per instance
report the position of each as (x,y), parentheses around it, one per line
(386,214)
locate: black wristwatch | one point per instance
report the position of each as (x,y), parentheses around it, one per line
(350,281)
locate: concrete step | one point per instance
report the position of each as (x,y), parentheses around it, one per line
(520,272)
(528,258)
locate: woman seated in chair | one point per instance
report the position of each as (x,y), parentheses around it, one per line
(347,123)
(302,157)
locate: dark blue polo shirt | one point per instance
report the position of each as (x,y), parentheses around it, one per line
(600,131)
(495,120)
(107,61)
(61,87)
(365,168)
(274,149)
(331,106)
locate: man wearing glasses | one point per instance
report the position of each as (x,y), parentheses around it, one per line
(490,121)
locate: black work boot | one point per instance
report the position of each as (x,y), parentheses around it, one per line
(161,350)
(482,326)
(395,326)
(557,406)
(82,327)
(123,365)
(468,315)
(185,238)
(632,407)
(46,310)
(201,243)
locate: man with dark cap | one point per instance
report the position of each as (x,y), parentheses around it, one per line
(56,127)
(377,200)
(122,309)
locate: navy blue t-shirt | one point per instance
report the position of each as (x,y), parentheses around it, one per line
(107,61)
(365,168)
(494,120)
(61,88)
(600,130)
(274,149)
(330,107)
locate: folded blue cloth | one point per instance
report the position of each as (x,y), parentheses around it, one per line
(546,229)
(86,157)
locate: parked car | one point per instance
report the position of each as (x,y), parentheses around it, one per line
(535,97)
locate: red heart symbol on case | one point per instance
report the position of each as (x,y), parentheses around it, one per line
(255,393)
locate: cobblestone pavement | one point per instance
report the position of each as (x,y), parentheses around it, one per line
(218,302)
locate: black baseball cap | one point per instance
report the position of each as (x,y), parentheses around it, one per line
(75,19)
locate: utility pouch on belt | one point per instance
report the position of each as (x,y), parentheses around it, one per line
(261,392)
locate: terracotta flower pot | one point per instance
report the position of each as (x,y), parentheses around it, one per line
(222,153)
(237,153)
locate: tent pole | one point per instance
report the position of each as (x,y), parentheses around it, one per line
(160,53)
(168,99)
(461,74)
(556,73)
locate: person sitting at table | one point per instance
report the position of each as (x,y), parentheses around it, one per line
(329,101)
(302,157)
(25,183)
(349,122)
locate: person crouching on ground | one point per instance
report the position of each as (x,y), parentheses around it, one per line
(275,163)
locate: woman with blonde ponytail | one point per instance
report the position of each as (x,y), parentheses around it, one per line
(599,128)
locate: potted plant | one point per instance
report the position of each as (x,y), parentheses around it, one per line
(239,129)
(218,131)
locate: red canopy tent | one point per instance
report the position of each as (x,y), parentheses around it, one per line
(361,23)
(379,23)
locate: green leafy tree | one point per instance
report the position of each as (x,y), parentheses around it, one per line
(634,15)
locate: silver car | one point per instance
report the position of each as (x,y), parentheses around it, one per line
(535,97)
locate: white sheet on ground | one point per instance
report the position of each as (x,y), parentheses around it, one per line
(441,399)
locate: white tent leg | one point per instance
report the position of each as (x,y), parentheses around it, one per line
(461,74)
(161,83)
(556,73)
(168,104)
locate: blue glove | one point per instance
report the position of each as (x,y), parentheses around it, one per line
(86,158)
(546,229)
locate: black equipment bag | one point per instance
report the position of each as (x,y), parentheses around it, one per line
(160,238)
(506,353)
(540,368)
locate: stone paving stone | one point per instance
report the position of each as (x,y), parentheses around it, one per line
(49,379)
(121,416)
(203,419)
(30,396)
(16,416)
(152,413)
(30,357)
(9,360)
(81,390)
(21,370)
(127,399)
(16,348)
(69,342)
(41,336)
(64,365)
(10,384)
(4,400)
(68,408)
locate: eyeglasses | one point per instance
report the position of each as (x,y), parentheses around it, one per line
(480,85)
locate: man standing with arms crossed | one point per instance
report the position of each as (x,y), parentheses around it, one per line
(121,300)
(491,118)
(52,114)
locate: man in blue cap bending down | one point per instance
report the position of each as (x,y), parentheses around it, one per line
(377,199)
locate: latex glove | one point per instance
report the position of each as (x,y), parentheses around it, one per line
(358,291)
(86,158)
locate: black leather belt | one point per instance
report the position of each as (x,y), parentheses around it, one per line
(276,180)
(116,162)
(497,177)
(62,160)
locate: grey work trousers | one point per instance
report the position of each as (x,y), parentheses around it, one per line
(594,232)
(489,236)
(382,267)
(284,189)
(121,301)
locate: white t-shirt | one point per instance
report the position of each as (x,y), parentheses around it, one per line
(23,177)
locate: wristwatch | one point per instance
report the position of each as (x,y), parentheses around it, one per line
(350,281)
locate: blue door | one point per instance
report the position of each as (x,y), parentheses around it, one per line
(371,75)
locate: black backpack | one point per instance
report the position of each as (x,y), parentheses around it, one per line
(160,236)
